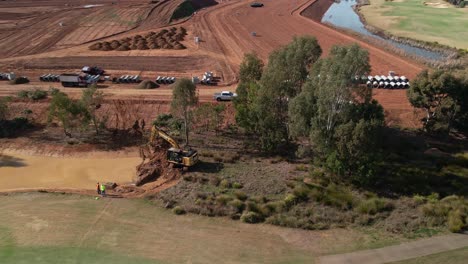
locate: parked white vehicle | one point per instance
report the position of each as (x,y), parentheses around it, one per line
(224,96)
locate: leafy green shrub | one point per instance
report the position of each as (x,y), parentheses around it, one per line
(455,221)
(419,199)
(373,206)
(35,94)
(251,217)
(237,204)
(301,192)
(290,200)
(223,199)
(236,185)
(163,120)
(271,208)
(178,210)
(23,94)
(225,184)
(19,80)
(240,195)
(433,197)
(435,210)
(252,206)
(338,197)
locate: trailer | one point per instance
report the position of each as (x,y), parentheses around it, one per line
(73,80)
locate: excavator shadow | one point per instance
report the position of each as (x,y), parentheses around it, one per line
(207,167)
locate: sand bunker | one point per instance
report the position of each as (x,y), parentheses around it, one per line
(437,4)
(18,171)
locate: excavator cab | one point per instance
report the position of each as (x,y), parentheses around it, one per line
(186,158)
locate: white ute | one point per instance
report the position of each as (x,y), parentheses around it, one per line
(224,96)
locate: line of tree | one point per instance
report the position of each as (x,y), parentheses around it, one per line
(297,95)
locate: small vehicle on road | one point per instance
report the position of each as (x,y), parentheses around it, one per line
(224,96)
(256,4)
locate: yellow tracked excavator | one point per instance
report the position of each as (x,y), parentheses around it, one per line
(175,154)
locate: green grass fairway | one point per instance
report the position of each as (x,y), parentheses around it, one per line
(45,228)
(436,21)
(54,228)
(459,256)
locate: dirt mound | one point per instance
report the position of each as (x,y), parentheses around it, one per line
(164,39)
(157,166)
(147,84)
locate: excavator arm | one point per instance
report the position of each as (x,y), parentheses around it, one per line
(155,131)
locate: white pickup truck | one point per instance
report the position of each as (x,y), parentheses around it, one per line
(224,96)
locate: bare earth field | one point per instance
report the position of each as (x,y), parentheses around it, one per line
(225,30)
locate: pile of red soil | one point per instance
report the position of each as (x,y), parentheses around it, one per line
(157,166)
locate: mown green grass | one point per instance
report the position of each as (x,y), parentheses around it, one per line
(55,228)
(458,256)
(413,19)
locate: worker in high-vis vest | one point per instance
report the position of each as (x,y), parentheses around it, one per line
(103,190)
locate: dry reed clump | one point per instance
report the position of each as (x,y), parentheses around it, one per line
(164,39)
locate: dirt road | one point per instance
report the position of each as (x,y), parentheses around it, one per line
(227,30)
(404,251)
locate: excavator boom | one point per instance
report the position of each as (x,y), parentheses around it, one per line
(155,131)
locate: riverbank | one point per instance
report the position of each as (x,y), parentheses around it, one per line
(341,16)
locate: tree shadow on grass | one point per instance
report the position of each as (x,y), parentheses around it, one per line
(10,161)
(417,164)
(207,167)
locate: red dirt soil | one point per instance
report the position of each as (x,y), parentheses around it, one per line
(225,30)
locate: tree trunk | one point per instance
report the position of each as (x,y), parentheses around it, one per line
(95,125)
(186,129)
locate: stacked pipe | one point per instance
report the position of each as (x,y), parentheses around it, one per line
(387,82)
(165,80)
(50,78)
(93,78)
(129,78)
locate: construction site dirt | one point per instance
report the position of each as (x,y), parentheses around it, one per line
(39,37)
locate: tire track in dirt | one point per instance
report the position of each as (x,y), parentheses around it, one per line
(90,229)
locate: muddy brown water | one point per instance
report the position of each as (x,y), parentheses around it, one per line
(20,171)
